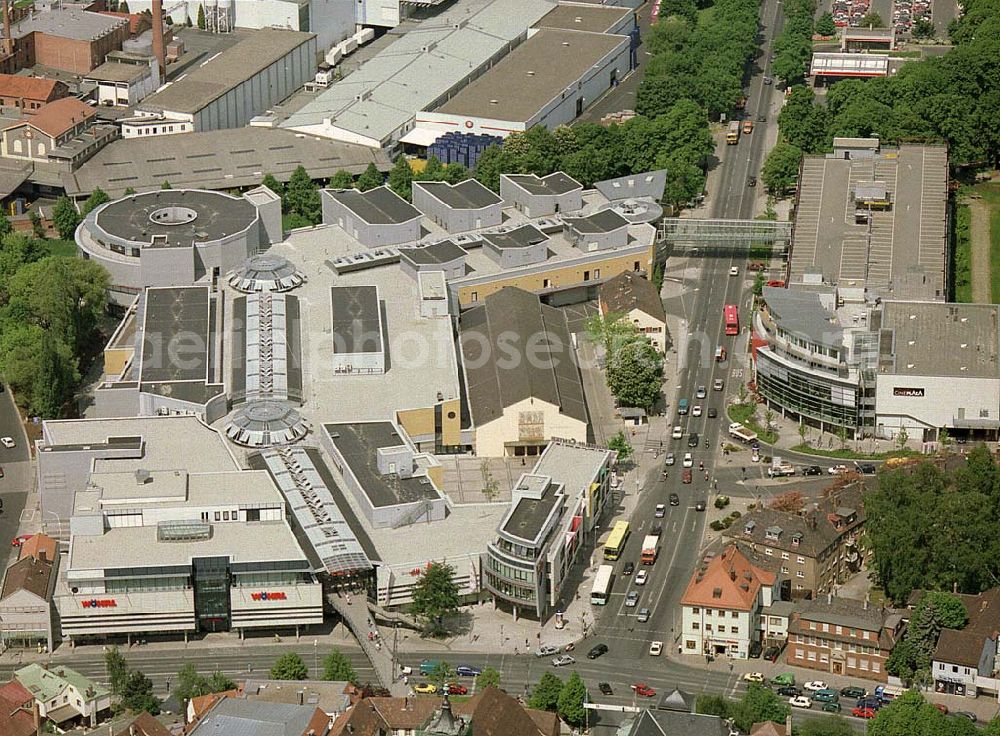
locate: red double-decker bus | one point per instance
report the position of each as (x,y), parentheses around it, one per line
(731,315)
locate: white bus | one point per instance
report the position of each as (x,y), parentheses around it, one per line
(602,585)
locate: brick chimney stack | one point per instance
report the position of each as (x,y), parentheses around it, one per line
(8,41)
(159,50)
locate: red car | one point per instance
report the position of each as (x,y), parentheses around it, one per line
(455,689)
(18,541)
(865,713)
(644,690)
(940,707)
(686,475)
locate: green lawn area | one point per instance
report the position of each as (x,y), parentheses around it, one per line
(962,254)
(745,415)
(990,192)
(846,454)
(57,247)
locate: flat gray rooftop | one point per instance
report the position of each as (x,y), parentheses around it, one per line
(358,443)
(192,92)
(801,313)
(68,21)
(217,215)
(466,195)
(595,18)
(556,183)
(572,466)
(379,206)
(420,67)
(217,159)
(415,374)
(526,80)
(113,71)
(528,515)
(176,335)
(906,257)
(169,442)
(930,338)
(357,321)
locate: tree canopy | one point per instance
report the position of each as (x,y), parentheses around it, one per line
(435,595)
(301,197)
(50,312)
(289,666)
(545,695)
(635,374)
(932,530)
(137,694)
(911,715)
(911,658)
(571,699)
(337,667)
(65,218)
(191,684)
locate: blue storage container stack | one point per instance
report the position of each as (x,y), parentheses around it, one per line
(462,148)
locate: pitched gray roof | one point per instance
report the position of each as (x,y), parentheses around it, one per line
(548,371)
(239,717)
(628,290)
(668,723)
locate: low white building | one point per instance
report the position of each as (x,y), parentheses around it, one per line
(721,607)
(124,79)
(938,368)
(966,661)
(548,80)
(637,298)
(171,551)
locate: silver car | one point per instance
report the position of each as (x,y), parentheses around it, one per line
(562,660)
(632,598)
(643,615)
(546,650)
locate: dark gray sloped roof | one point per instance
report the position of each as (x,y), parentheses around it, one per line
(628,290)
(497,381)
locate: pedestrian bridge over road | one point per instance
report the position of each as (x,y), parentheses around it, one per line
(682,231)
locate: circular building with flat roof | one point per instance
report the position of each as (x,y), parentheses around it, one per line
(170,237)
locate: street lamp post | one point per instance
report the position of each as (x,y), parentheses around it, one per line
(316,658)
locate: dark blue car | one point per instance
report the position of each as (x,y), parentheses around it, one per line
(464,670)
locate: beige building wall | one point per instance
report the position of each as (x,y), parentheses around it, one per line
(420,422)
(556,277)
(651,327)
(115,360)
(517,426)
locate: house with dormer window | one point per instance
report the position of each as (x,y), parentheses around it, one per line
(816,548)
(721,607)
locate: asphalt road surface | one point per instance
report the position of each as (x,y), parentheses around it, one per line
(617,625)
(16,468)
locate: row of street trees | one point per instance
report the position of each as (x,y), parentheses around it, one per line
(565,698)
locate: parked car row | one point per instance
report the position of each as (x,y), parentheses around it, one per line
(905,12)
(849,12)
